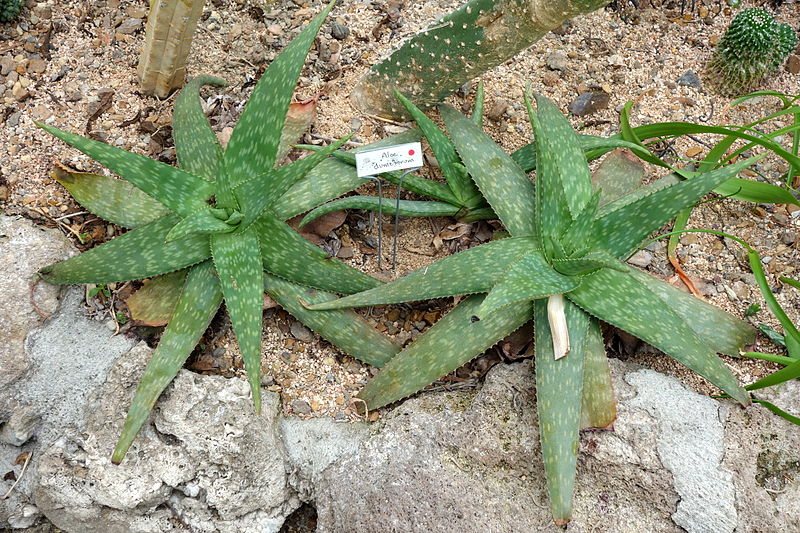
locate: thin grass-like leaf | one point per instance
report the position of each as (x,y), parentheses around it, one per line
(196,144)
(288,255)
(117,201)
(346,330)
(181,192)
(237,259)
(504,185)
(625,302)
(196,307)
(559,392)
(467,272)
(447,345)
(139,253)
(254,142)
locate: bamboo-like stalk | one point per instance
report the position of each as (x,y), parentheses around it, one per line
(170,28)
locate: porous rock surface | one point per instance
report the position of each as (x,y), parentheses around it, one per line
(458,461)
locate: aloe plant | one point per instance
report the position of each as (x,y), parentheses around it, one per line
(213,217)
(458,197)
(564,267)
(168,38)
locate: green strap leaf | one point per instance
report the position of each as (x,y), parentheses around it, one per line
(447,345)
(577,233)
(504,185)
(444,151)
(181,192)
(154,303)
(196,307)
(559,393)
(528,278)
(289,256)
(592,145)
(204,222)
(756,192)
(621,231)
(255,195)
(467,272)
(570,163)
(477,108)
(344,329)
(114,200)
(598,408)
(196,144)
(237,259)
(721,331)
(255,139)
(408,208)
(625,302)
(139,253)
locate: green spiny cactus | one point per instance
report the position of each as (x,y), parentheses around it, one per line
(753,46)
(469,41)
(9,9)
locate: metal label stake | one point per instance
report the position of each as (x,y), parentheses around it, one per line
(388,159)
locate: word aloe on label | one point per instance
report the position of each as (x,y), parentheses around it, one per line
(753,46)
(477,37)
(564,267)
(213,217)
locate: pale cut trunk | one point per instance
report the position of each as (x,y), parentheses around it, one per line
(477,37)
(170,28)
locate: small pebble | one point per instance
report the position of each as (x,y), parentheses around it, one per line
(642,258)
(339,31)
(300,332)
(690,79)
(557,60)
(300,407)
(588,103)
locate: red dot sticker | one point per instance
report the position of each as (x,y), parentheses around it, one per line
(411,152)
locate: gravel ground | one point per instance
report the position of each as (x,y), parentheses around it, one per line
(72,64)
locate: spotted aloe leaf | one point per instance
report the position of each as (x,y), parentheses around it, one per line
(407,208)
(579,247)
(299,117)
(237,260)
(115,200)
(196,144)
(345,329)
(559,391)
(140,253)
(598,408)
(253,147)
(198,303)
(330,179)
(443,348)
(467,272)
(179,191)
(517,284)
(636,309)
(154,303)
(205,222)
(504,185)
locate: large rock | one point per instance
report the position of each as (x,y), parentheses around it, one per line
(471,463)
(24,249)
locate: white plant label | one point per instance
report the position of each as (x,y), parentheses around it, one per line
(380,160)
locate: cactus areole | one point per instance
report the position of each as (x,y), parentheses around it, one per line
(480,35)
